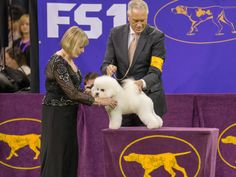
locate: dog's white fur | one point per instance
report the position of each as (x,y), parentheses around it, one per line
(129,100)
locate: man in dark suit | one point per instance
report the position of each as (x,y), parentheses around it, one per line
(145,65)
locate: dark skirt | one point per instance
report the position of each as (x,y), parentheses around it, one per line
(59,147)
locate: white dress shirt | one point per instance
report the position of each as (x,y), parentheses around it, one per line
(130,38)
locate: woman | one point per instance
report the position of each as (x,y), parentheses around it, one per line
(15,59)
(59,151)
(15,77)
(15,12)
(24,41)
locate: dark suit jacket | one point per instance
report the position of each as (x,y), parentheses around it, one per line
(151,43)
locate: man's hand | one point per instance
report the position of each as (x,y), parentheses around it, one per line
(139,83)
(111,69)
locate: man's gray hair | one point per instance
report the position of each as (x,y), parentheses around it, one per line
(137,4)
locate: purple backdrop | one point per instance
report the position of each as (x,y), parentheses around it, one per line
(215,110)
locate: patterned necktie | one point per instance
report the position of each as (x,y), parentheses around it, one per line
(132,47)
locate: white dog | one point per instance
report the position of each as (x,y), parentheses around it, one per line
(129,100)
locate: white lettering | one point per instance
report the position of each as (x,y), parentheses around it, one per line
(119,13)
(94,22)
(53,18)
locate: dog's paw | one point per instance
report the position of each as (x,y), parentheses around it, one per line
(114,126)
(156,124)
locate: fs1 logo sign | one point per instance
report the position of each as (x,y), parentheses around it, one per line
(55,19)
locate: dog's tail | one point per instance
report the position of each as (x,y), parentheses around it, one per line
(130,86)
(182,153)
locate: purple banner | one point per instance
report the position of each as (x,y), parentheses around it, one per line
(219,111)
(20,115)
(20,135)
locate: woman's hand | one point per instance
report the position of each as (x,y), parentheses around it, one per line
(106,102)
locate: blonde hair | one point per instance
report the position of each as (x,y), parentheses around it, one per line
(73,39)
(137,4)
(23,19)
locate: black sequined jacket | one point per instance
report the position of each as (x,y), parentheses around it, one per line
(63,84)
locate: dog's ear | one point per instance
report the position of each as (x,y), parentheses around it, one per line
(112,91)
(93,90)
(114,86)
(117,90)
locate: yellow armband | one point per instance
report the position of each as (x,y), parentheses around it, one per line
(157,62)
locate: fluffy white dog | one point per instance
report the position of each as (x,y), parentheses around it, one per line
(129,100)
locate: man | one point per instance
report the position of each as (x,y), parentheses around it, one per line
(137,50)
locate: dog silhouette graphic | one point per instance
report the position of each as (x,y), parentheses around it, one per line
(229,140)
(16,142)
(198,15)
(152,162)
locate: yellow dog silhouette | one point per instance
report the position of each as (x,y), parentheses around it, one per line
(198,15)
(151,162)
(16,142)
(229,140)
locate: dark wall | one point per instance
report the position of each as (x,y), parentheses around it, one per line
(34,54)
(3,23)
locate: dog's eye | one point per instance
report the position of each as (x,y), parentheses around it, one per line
(102,90)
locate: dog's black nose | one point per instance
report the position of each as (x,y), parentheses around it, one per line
(97,94)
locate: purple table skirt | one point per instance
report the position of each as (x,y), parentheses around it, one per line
(162,152)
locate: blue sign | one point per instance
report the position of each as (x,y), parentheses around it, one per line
(200,38)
